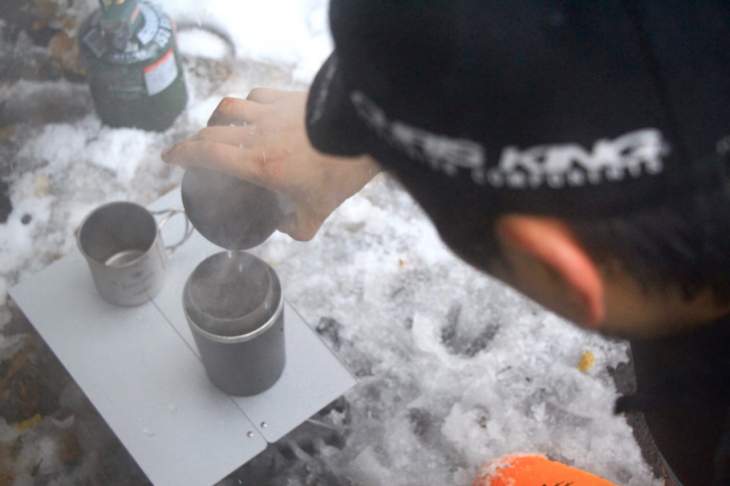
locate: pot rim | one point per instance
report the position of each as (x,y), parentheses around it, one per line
(261,329)
(241,337)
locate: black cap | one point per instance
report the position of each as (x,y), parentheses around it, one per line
(566,108)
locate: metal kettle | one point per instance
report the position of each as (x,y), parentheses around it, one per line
(232,213)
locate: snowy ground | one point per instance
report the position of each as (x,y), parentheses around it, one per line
(455,369)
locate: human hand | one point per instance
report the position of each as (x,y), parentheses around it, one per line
(263,139)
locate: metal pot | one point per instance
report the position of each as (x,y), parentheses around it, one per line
(227,211)
(234,305)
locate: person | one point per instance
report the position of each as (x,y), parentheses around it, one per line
(577,151)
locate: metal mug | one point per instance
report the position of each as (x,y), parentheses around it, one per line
(122,244)
(234,305)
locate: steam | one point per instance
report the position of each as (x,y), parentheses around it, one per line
(230,293)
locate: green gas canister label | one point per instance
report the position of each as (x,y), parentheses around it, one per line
(161,74)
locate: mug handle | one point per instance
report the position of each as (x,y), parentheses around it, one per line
(168,214)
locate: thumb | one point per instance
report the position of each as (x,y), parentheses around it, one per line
(299,227)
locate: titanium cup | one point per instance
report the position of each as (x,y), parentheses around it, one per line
(234,305)
(123,246)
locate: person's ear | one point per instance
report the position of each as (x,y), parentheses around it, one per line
(550,243)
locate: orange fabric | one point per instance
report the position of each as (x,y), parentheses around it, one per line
(534,470)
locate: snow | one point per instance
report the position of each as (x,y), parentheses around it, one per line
(455,369)
(202,43)
(292,33)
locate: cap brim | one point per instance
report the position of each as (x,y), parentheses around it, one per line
(332,124)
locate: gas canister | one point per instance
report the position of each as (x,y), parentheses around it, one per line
(129,51)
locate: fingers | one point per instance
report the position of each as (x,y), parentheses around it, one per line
(247,136)
(237,161)
(299,227)
(266,96)
(235,111)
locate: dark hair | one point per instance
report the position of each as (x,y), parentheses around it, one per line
(684,243)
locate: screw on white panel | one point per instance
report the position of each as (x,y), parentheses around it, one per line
(250,434)
(264,425)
